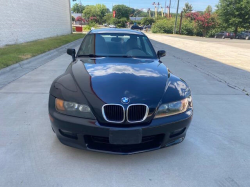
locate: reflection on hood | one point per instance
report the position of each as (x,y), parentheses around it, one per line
(180,86)
(102,70)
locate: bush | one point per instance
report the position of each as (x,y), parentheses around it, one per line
(120,23)
(147,21)
(211,33)
(92,24)
(74,29)
(163,26)
(87,28)
(187,27)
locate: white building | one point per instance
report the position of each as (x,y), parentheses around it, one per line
(28,20)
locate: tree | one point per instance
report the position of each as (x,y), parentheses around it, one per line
(192,15)
(107,18)
(140,13)
(73,18)
(120,23)
(188,8)
(122,11)
(147,21)
(98,11)
(80,19)
(234,13)
(77,8)
(209,9)
(205,22)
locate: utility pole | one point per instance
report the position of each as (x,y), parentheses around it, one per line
(165,8)
(180,23)
(169,8)
(176,17)
(154,4)
(149,13)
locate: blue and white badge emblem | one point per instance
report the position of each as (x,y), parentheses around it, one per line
(125,100)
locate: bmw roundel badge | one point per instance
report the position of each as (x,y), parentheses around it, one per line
(125,100)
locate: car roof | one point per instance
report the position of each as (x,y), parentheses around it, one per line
(115,30)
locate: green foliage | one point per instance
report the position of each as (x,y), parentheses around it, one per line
(122,11)
(187,8)
(212,32)
(74,29)
(234,13)
(87,28)
(98,11)
(137,22)
(120,23)
(77,8)
(92,24)
(27,50)
(209,9)
(108,18)
(73,18)
(163,26)
(147,21)
(140,13)
(187,27)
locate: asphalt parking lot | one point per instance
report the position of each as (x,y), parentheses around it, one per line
(216,151)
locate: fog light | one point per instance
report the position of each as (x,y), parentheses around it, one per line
(68,134)
(177,132)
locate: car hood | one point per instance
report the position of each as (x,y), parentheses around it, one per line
(110,79)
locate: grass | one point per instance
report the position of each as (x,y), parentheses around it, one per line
(12,54)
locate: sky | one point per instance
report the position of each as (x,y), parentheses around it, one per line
(145,4)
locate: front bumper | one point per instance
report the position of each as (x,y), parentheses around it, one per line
(90,135)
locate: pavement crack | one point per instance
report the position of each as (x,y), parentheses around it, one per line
(212,75)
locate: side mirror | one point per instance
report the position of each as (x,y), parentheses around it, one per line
(161,53)
(72,52)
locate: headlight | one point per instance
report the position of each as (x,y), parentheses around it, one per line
(74,109)
(174,108)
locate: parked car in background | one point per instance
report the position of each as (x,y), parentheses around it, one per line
(105,24)
(136,27)
(243,35)
(112,26)
(225,34)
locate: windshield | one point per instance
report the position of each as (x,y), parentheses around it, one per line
(116,45)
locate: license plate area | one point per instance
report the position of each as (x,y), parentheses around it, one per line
(125,137)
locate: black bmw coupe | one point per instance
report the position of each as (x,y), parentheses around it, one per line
(117,96)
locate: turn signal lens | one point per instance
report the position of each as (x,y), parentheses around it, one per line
(59,104)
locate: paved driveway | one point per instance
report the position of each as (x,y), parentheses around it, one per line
(216,151)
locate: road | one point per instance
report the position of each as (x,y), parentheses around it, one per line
(216,151)
(244,44)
